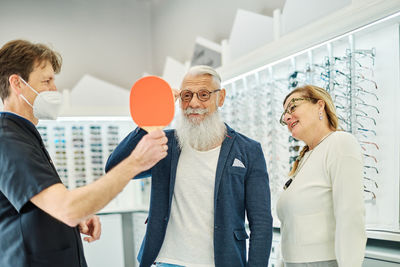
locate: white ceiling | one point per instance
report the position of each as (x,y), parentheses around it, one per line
(117,41)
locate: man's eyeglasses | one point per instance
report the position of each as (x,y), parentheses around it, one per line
(292,107)
(203,95)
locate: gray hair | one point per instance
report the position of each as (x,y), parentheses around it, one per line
(205,70)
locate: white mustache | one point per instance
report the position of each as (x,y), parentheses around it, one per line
(189,111)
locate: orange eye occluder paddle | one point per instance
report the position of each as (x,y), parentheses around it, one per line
(151,103)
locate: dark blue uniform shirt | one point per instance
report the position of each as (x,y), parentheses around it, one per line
(28,235)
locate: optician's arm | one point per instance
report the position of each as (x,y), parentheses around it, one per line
(258,208)
(124,149)
(345,169)
(71,207)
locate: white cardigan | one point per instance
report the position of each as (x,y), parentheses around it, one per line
(322,212)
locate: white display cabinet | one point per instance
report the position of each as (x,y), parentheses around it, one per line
(122,235)
(80,147)
(109,249)
(358,64)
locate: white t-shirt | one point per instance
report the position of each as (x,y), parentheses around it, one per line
(322,212)
(189,240)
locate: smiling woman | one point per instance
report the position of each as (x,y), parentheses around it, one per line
(314,209)
(309,115)
(291,107)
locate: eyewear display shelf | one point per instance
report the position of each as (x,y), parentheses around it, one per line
(360,70)
(80,147)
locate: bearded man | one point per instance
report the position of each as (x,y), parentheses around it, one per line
(201,193)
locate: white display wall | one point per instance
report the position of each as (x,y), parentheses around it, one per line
(80,147)
(361,72)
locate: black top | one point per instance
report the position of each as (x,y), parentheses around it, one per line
(28,235)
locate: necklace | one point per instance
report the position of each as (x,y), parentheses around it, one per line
(303,162)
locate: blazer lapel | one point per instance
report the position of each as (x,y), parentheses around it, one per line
(175,152)
(223,157)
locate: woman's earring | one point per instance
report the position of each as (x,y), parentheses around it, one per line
(320,115)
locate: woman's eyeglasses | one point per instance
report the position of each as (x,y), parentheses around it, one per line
(292,107)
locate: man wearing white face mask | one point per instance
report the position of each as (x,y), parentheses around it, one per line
(47,103)
(39,217)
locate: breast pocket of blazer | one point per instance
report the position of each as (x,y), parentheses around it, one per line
(237,174)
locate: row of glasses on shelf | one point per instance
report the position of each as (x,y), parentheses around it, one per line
(365,91)
(86,147)
(350,81)
(251,107)
(78,149)
(96,151)
(112,137)
(253,102)
(60,160)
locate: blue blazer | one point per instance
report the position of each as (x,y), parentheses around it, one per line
(238,191)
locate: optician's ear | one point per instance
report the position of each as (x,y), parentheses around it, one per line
(221,97)
(15,83)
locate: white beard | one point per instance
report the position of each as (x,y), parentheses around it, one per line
(203,135)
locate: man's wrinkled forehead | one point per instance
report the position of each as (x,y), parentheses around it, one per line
(190,81)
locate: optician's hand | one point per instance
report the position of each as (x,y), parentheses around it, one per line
(150,150)
(92,228)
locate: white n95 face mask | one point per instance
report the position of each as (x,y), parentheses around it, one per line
(47,104)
